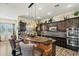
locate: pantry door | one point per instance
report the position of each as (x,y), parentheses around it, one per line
(6,30)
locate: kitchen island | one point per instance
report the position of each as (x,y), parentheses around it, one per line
(47,45)
(60,37)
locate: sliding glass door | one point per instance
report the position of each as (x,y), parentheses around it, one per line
(6,30)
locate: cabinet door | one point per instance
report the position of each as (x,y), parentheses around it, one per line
(61,26)
(61,42)
(69,23)
(72,22)
(76,22)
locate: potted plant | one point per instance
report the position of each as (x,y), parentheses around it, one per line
(50,21)
(76,13)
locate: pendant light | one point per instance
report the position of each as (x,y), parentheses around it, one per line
(35,16)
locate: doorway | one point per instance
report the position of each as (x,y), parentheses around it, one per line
(6,30)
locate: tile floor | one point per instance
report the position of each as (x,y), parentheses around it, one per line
(5,50)
(60,51)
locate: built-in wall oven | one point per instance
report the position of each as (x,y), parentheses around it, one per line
(73,38)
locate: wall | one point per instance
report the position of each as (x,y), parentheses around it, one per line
(9,21)
(61,16)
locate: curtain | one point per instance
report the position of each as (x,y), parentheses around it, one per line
(6,30)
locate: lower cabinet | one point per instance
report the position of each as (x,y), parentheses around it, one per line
(61,42)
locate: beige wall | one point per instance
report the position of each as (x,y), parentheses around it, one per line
(9,21)
(61,16)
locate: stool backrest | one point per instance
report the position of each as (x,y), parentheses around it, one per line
(13,44)
(26,49)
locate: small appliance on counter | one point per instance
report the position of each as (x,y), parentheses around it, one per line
(73,38)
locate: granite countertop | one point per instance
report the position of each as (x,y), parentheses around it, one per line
(38,39)
(54,34)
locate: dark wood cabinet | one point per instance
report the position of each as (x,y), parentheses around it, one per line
(72,22)
(69,23)
(61,26)
(61,42)
(75,22)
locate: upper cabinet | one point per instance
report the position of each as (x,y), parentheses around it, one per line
(61,25)
(72,22)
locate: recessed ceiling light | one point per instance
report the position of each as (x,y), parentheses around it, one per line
(39,8)
(69,5)
(49,13)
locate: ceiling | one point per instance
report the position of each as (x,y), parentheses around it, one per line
(38,10)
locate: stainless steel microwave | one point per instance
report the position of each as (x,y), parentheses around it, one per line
(52,28)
